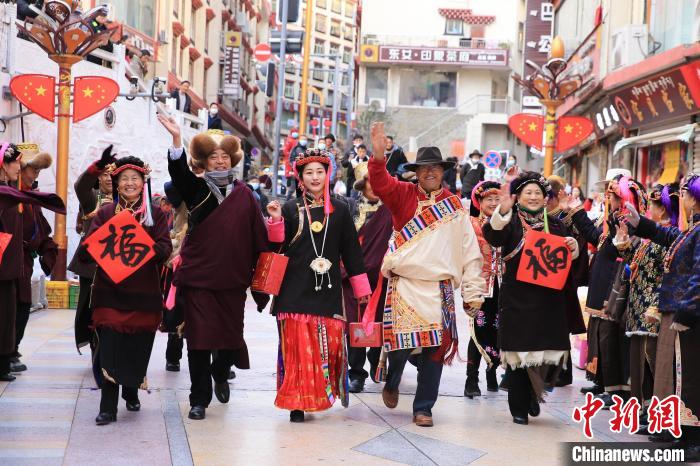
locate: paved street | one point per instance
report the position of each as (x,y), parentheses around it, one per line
(47,416)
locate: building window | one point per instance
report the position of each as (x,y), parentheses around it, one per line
(190,76)
(427,89)
(139,14)
(321,4)
(521,37)
(344,79)
(453,26)
(334,49)
(331,78)
(320,23)
(316,98)
(176,8)
(289,90)
(349,8)
(174,47)
(290,68)
(193,26)
(318,74)
(319,47)
(337,6)
(347,53)
(375,83)
(347,31)
(329,99)
(335,28)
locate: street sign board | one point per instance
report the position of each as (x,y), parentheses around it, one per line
(262,52)
(492,159)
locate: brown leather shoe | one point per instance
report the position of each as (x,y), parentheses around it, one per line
(390,397)
(423,420)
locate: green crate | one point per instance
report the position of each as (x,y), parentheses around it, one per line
(73,293)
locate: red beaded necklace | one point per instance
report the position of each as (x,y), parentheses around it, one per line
(676,246)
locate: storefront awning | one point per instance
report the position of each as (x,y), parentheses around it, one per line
(681,133)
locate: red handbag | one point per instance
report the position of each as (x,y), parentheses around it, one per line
(366,333)
(269,273)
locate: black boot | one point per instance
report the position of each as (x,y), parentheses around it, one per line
(595,389)
(296,415)
(491,382)
(103,419)
(471,387)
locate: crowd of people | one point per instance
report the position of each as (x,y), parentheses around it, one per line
(370,274)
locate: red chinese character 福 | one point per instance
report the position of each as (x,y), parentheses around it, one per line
(665,415)
(625,416)
(587,412)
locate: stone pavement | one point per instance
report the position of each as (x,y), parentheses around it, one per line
(47,416)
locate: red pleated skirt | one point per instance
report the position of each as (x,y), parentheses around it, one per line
(312,362)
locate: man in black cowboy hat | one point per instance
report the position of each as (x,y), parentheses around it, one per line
(437,251)
(473,172)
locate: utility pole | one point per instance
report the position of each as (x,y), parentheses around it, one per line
(305,68)
(348,114)
(337,95)
(280,95)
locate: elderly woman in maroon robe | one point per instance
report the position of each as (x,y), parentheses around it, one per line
(127,314)
(226,234)
(11,260)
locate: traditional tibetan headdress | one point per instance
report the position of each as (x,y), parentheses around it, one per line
(692,185)
(323,157)
(134,163)
(33,157)
(483,189)
(526,178)
(8,153)
(630,190)
(203,144)
(669,197)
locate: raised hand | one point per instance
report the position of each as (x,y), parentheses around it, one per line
(507,199)
(631,216)
(378,138)
(106,158)
(171,127)
(622,232)
(275,210)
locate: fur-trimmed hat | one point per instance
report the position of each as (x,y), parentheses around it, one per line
(203,144)
(33,157)
(361,173)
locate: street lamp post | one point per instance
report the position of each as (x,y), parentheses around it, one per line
(552,87)
(67,36)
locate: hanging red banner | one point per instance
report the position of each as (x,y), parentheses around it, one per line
(37,92)
(4,241)
(121,246)
(571,130)
(545,260)
(91,94)
(528,128)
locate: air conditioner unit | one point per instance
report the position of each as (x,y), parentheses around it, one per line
(630,45)
(370,40)
(465,42)
(378,105)
(162,37)
(242,21)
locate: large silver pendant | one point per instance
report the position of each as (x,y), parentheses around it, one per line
(320,265)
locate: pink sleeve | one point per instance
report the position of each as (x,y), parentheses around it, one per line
(275,231)
(360,285)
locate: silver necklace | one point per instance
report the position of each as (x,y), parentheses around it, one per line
(321,266)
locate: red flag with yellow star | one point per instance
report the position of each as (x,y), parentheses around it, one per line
(528,128)
(37,92)
(91,94)
(571,131)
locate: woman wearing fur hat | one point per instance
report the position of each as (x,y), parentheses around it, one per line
(213,275)
(532,330)
(12,264)
(316,232)
(679,305)
(126,315)
(37,240)
(607,364)
(484,339)
(645,261)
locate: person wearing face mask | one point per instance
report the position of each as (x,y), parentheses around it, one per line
(300,148)
(512,169)
(472,173)
(254,185)
(394,156)
(214,118)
